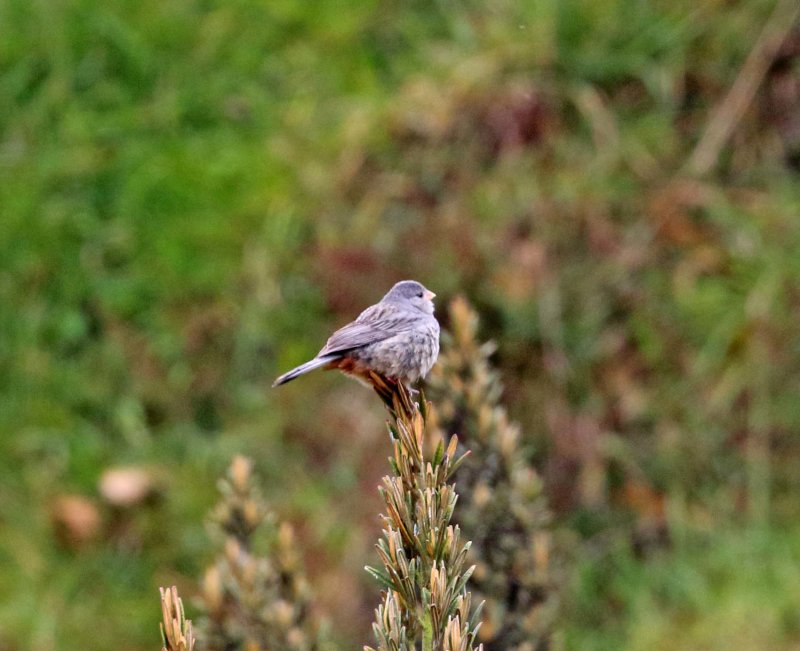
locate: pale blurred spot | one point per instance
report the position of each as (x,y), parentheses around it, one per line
(125,487)
(76,520)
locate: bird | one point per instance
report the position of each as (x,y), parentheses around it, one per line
(397,338)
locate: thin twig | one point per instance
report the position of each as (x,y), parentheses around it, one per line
(728,113)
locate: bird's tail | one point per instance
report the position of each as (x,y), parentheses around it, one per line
(304,368)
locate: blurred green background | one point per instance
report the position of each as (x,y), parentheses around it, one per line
(193,194)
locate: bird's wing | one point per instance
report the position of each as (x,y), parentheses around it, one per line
(374,324)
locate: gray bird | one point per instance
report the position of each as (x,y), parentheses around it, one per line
(398,338)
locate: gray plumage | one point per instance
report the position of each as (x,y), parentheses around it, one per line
(397,337)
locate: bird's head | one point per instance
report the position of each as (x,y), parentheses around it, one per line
(413,294)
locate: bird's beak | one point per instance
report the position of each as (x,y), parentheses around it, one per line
(429,295)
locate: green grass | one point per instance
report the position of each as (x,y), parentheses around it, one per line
(733,590)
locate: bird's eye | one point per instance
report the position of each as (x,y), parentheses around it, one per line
(419,295)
